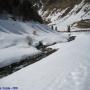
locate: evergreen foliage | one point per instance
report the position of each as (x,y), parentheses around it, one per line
(20,8)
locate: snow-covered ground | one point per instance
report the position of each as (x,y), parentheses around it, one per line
(18,39)
(66,69)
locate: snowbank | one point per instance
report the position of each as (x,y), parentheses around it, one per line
(18,39)
(15,54)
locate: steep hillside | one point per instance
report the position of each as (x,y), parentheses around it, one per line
(57,13)
(63,13)
(18,9)
(20,39)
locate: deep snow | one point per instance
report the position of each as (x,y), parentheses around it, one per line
(18,39)
(66,69)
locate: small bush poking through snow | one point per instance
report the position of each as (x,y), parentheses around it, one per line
(29,40)
(34,33)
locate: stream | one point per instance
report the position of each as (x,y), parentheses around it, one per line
(7,70)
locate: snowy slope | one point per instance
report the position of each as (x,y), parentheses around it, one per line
(77,13)
(18,40)
(66,69)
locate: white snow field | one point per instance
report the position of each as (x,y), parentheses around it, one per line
(18,40)
(66,69)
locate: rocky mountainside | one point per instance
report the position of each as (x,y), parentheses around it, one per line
(63,13)
(58,14)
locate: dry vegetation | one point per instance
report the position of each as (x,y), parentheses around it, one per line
(83,24)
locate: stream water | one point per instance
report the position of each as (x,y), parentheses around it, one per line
(5,71)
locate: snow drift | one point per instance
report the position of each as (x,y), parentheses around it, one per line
(18,39)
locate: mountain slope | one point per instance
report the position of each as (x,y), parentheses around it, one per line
(18,9)
(57,13)
(62,13)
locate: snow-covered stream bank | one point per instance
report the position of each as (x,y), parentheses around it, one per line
(12,68)
(28,60)
(66,69)
(19,39)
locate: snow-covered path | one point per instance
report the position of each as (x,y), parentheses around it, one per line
(66,69)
